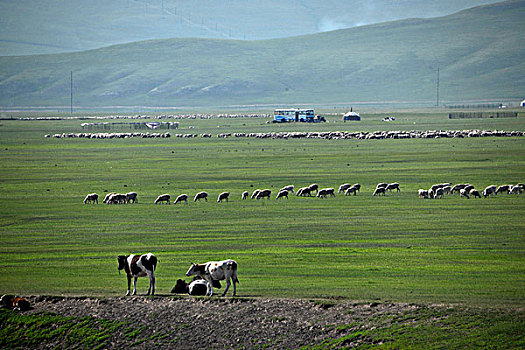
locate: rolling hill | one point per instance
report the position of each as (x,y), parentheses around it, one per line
(479,52)
(55,26)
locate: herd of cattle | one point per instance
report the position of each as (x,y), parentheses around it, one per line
(329,135)
(207,275)
(465,190)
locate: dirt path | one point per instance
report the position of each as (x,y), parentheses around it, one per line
(223,323)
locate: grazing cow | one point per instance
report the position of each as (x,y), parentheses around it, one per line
(181,198)
(131,197)
(201,195)
(216,270)
(393,186)
(223,196)
(91,198)
(379,190)
(281,194)
(463,193)
(163,198)
(264,193)
(245,195)
(138,266)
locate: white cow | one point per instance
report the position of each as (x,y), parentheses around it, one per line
(216,270)
(138,266)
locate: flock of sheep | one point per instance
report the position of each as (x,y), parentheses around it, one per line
(435,191)
(328,135)
(108,135)
(467,190)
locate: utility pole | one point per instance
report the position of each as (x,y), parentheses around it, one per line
(437,89)
(71,89)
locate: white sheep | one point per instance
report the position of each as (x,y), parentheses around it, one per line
(392,186)
(255,193)
(106,198)
(313,187)
(439,193)
(223,196)
(344,187)
(324,192)
(91,198)
(131,197)
(304,191)
(489,190)
(474,193)
(201,195)
(463,193)
(289,188)
(515,190)
(117,198)
(181,198)
(503,189)
(264,193)
(381,185)
(163,198)
(281,194)
(422,193)
(350,190)
(245,195)
(379,190)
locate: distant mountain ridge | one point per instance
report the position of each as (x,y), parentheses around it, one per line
(479,53)
(32,27)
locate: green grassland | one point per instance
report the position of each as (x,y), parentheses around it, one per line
(392,248)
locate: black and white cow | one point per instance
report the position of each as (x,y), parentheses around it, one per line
(216,270)
(138,266)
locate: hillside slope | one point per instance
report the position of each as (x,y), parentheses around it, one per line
(55,26)
(479,52)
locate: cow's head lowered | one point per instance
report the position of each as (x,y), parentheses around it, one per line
(122,262)
(196,269)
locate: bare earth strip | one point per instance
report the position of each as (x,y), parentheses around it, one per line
(225,323)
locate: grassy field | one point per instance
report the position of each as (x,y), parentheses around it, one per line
(393,248)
